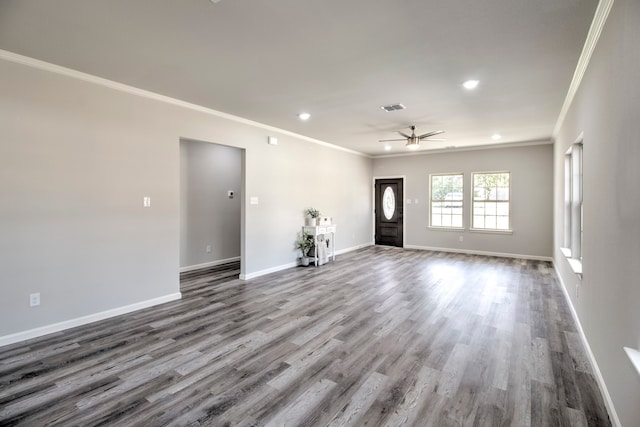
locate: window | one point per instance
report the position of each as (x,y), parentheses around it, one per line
(491,195)
(573,206)
(388,203)
(446,203)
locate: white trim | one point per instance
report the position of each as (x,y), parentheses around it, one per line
(295,264)
(354,248)
(490,231)
(208,264)
(486,253)
(266,271)
(634,357)
(437,228)
(46,66)
(592,359)
(467,148)
(79,321)
(599,19)
(576,266)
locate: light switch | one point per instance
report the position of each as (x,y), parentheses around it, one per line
(416,201)
(146,201)
(408,201)
(253,201)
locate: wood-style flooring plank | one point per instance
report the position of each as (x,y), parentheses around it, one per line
(382,337)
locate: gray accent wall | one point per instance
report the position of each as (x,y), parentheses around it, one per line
(208,217)
(606,111)
(531,198)
(76,160)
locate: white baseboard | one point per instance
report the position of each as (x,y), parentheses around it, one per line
(295,264)
(353,248)
(208,264)
(79,321)
(592,359)
(267,271)
(486,253)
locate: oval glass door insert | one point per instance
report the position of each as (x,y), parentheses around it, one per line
(388,203)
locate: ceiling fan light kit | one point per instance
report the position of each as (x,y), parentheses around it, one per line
(393,107)
(413,140)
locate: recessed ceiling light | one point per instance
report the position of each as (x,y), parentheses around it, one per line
(496,136)
(470,84)
(304,116)
(387,148)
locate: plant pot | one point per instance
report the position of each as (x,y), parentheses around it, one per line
(309,221)
(305,261)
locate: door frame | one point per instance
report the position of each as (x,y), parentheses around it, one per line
(373,206)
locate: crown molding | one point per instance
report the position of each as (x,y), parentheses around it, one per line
(494,146)
(599,19)
(68,72)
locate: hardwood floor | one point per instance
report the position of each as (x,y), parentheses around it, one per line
(381,337)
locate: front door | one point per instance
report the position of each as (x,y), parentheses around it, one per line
(388,201)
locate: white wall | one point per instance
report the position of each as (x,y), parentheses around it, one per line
(607,109)
(531,198)
(76,159)
(208,217)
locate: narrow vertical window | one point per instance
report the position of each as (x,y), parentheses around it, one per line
(491,201)
(567,200)
(573,206)
(446,204)
(576,201)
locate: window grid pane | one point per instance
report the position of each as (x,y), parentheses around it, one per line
(447,199)
(491,196)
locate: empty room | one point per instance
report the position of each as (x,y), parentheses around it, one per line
(287,213)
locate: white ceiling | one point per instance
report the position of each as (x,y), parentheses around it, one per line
(340,60)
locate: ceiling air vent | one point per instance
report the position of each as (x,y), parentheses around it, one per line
(393,107)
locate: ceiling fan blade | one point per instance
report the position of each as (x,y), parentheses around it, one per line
(404,134)
(428,134)
(434,139)
(387,140)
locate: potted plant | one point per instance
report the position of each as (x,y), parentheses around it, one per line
(312,216)
(304,243)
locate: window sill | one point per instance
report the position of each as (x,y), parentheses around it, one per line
(575,264)
(488,231)
(634,356)
(435,227)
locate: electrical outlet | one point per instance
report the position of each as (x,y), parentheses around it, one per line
(461,238)
(208,249)
(34,299)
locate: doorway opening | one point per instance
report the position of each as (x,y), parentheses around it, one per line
(212,178)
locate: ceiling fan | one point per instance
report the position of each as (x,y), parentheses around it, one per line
(413,140)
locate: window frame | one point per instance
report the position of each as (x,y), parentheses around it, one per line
(509,229)
(462,214)
(573,205)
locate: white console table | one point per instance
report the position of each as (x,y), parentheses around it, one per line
(317,230)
